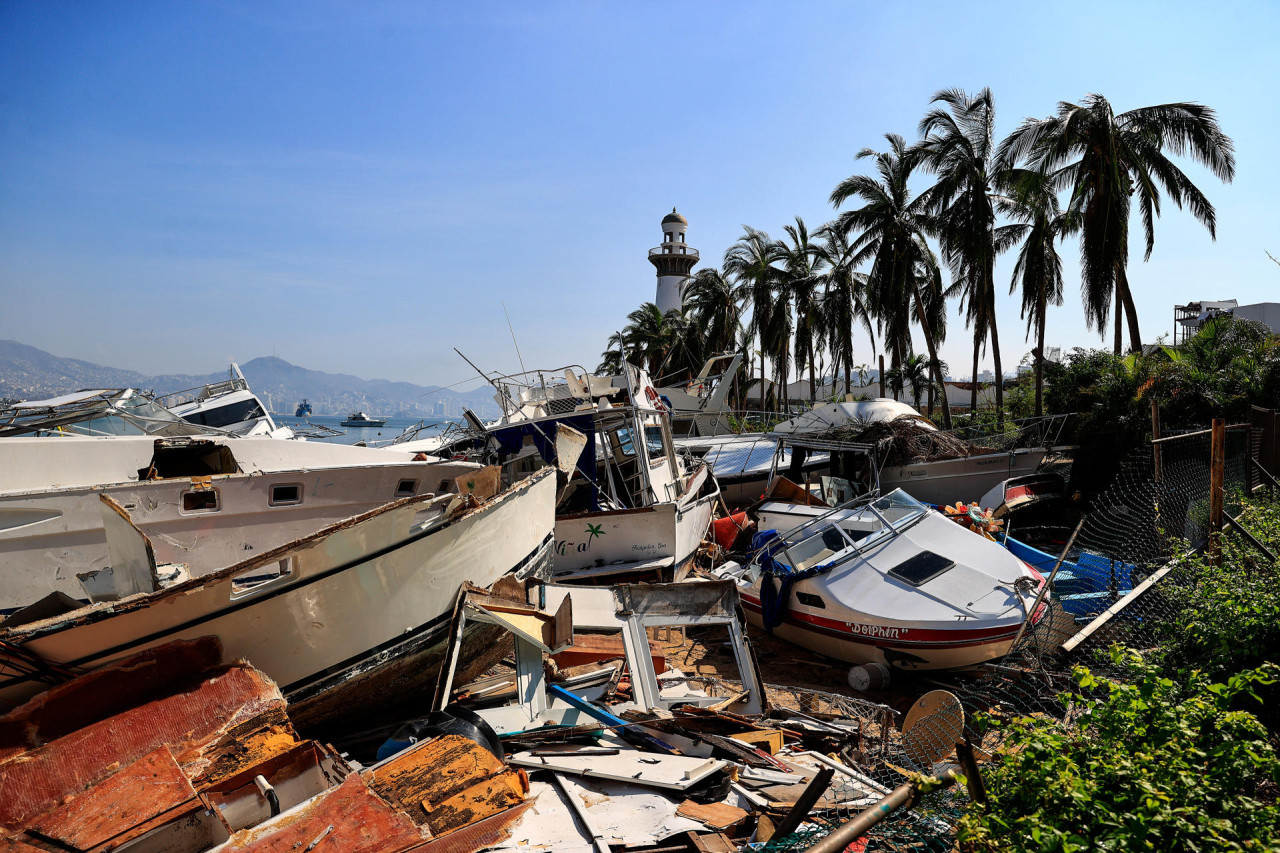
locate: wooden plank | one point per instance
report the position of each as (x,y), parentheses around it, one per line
(768,740)
(717,816)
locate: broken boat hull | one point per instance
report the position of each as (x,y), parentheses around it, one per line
(327,614)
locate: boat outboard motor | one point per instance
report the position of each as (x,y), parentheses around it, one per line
(454,720)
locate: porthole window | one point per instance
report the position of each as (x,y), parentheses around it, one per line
(406,488)
(205,500)
(287,494)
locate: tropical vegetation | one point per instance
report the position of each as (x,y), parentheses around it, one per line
(876,279)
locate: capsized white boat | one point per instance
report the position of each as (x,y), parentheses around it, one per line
(885,580)
(229,406)
(329,616)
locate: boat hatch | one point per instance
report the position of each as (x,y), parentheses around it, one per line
(921,568)
(199,458)
(405,488)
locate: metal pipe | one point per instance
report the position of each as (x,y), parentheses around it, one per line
(860,825)
(1044,588)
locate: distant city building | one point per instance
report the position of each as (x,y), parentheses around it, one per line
(674,261)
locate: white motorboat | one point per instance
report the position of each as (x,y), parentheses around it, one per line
(205,500)
(361,420)
(629,504)
(698,406)
(229,406)
(745,464)
(885,580)
(330,616)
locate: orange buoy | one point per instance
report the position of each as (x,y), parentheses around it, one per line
(726,530)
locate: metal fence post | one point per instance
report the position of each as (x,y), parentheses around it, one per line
(1217,463)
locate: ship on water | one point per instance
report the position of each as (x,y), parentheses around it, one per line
(303,410)
(361,419)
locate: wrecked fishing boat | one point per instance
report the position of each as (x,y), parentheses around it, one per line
(206,501)
(884,580)
(173,750)
(629,504)
(341,615)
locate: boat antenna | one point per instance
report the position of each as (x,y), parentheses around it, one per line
(513,336)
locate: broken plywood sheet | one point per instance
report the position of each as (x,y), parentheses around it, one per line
(716,816)
(446,783)
(625,814)
(125,802)
(672,772)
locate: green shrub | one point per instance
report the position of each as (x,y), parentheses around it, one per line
(1157,764)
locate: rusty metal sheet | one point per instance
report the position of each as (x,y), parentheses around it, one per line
(105,692)
(36,781)
(350,819)
(447,783)
(120,804)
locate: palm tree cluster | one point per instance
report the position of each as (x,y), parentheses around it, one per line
(878,266)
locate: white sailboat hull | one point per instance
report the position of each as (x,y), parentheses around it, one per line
(357,596)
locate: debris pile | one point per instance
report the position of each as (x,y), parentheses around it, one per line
(587,739)
(905,440)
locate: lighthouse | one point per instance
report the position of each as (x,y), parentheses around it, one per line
(674,260)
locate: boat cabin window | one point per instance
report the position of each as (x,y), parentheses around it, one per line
(653,442)
(405,488)
(922,568)
(808,599)
(205,500)
(226,415)
(623,440)
(285,495)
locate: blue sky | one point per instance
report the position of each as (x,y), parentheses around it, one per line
(359,187)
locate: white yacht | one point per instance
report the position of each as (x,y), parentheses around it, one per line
(229,406)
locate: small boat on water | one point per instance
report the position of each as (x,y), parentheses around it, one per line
(360,419)
(884,580)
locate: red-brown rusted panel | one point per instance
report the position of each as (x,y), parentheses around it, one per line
(38,780)
(145,789)
(350,819)
(16,845)
(106,692)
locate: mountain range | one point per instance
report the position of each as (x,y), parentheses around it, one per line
(28,373)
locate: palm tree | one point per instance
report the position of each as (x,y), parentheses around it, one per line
(1107,160)
(713,304)
(751,262)
(651,336)
(958,145)
(614,355)
(799,285)
(1032,203)
(915,372)
(891,235)
(843,303)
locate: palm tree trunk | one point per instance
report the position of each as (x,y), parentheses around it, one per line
(1118,309)
(813,393)
(1040,311)
(934,364)
(995,352)
(1130,310)
(973,395)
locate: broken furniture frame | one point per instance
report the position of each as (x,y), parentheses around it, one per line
(634,608)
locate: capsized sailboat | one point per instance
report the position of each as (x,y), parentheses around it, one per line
(885,580)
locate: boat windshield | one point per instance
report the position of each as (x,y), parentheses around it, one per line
(853,527)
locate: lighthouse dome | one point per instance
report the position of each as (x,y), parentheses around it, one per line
(674,218)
